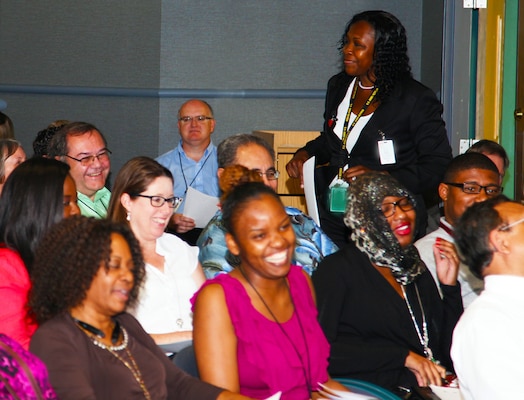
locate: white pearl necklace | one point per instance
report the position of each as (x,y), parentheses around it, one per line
(112,348)
(360,85)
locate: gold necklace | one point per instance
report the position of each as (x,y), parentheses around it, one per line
(133,367)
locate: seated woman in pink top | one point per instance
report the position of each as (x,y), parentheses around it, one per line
(38,193)
(255,329)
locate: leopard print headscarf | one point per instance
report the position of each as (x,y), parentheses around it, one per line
(371,231)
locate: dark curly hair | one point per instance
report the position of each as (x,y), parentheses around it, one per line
(67,260)
(390,58)
(44,136)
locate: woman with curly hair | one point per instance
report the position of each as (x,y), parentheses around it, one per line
(378,303)
(86,273)
(38,194)
(377,117)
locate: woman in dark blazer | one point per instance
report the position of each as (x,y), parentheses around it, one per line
(400,131)
(378,305)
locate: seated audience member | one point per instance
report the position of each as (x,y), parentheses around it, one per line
(254,153)
(87,271)
(39,193)
(469,178)
(193,162)
(255,329)
(11,156)
(22,375)
(44,136)
(83,147)
(7,131)
(378,304)
(143,198)
(495,152)
(487,346)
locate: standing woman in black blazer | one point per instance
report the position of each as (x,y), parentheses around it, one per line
(399,128)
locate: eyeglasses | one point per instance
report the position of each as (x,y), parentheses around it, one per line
(271,174)
(388,209)
(507,227)
(158,201)
(475,188)
(86,161)
(198,118)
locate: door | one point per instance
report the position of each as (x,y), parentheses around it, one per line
(519,110)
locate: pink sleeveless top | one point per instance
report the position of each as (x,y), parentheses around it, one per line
(267,359)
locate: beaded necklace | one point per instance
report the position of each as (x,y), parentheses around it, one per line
(131,366)
(423,336)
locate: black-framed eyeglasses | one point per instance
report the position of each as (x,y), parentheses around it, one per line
(158,201)
(388,209)
(475,188)
(271,174)
(198,118)
(86,161)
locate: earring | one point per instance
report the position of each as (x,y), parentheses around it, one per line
(128,216)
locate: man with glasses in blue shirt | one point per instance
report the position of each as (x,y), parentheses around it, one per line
(193,162)
(83,147)
(470,178)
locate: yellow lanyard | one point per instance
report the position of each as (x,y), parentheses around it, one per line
(347,130)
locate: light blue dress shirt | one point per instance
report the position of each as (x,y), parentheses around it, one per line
(201,175)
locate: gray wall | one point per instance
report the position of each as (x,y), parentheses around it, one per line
(167,51)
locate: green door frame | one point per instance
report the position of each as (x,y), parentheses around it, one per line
(509,88)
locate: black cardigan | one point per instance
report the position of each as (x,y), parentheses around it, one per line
(368,324)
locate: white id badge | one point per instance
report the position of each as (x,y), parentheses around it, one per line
(386,152)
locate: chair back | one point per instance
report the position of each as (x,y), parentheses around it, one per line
(370,389)
(186,361)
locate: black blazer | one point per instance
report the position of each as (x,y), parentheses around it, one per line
(410,116)
(368,325)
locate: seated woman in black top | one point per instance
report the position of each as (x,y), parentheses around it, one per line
(378,304)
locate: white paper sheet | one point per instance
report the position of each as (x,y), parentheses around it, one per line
(199,206)
(276,396)
(308,173)
(447,393)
